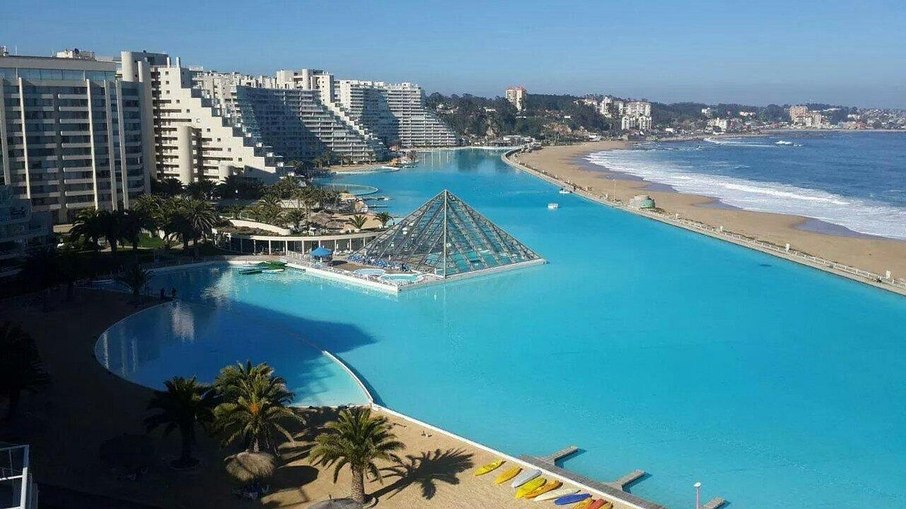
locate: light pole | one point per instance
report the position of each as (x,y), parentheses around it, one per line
(698,495)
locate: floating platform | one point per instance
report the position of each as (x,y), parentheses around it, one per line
(632,477)
(559,455)
(715,503)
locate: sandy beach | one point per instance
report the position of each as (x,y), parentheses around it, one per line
(66,429)
(567,164)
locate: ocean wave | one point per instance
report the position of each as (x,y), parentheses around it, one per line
(737,143)
(859,215)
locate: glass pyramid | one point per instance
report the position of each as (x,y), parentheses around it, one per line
(445,237)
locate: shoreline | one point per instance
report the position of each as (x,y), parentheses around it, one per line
(865,259)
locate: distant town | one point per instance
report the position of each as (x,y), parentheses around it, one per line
(564,118)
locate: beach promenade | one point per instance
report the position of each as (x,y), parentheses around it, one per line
(863,258)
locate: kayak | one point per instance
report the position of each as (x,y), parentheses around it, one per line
(549,486)
(525,477)
(551,495)
(530,486)
(506,475)
(585,504)
(489,467)
(571,499)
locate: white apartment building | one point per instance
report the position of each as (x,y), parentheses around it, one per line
(193,138)
(395,112)
(636,115)
(516,97)
(637,109)
(71,133)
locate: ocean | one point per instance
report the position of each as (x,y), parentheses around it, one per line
(854,180)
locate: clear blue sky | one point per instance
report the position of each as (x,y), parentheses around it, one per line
(754,52)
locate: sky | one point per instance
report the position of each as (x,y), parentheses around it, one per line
(749,52)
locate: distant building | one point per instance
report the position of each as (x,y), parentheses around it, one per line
(719,124)
(801,116)
(707,112)
(72,135)
(516,96)
(20,230)
(636,116)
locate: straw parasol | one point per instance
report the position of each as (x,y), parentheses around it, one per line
(251,466)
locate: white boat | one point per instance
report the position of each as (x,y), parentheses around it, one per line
(782,142)
(553,206)
(524,477)
(565,191)
(272,271)
(551,495)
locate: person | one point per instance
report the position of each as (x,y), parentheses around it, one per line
(163,295)
(173,293)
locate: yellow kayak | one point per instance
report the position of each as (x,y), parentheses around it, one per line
(507,475)
(530,486)
(584,504)
(548,486)
(489,467)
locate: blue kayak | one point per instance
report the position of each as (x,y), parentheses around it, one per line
(571,499)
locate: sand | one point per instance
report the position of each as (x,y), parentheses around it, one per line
(874,254)
(86,405)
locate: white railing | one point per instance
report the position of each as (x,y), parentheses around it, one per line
(16,478)
(719,232)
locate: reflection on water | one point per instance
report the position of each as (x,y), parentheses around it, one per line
(183,339)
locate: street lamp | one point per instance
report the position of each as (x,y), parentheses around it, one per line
(698,495)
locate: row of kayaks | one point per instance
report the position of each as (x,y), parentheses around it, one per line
(529,484)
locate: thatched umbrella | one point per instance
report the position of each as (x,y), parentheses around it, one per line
(251,466)
(338,503)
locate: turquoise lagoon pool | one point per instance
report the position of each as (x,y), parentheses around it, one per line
(647,346)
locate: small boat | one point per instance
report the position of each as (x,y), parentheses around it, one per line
(551,495)
(553,206)
(548,486)
(565,191)
(272,271)
(604,505)
(525,477)
(782,142)
(506,475)
(571,499)
(585,504)
(489,467)
(530,486)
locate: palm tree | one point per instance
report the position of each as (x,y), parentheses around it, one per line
(111,227)
(21,368)
(384,218)
(253,406)
(197,220)
(357,221)
(356,439)
(136,278)
(200,190)
(184,405)
(296,217)
(87,227)
(134,222)
(166,187)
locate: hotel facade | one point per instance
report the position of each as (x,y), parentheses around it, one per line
(72,135)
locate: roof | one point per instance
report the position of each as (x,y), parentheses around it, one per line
(446,237)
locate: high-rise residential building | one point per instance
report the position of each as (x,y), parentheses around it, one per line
(395,112)
(71,133)
(636,115)
(20,230)
(516,97)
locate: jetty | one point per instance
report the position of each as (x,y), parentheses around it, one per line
(552,459)
(632,477)
(715,503)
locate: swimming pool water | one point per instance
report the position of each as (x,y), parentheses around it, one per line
(647,346)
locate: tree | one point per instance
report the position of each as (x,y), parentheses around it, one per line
(296,217)
(166,187)
(200,218)
(136,278)
(87,227)
(356,439)
(21,368)
(183,406)
(200,190)
(253,407)
(357,221)
(134,222)
(111,227)
(384,218)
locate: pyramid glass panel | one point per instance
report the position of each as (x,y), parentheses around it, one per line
(445,237)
